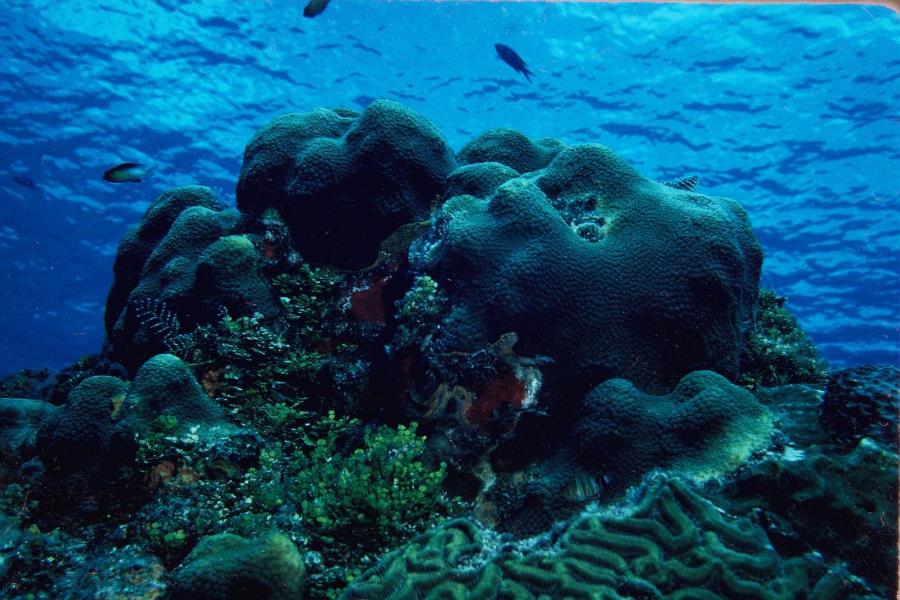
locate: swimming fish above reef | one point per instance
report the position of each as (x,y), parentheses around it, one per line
(314,8)
(125,173)
(688,184)
(512,58)
(25,182)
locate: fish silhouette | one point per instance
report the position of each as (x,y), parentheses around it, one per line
(512,58)
(125,173)
(315,8)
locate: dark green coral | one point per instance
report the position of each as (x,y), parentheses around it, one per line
(226,566)
(672,544)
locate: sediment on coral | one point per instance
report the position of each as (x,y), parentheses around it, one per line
(671,543)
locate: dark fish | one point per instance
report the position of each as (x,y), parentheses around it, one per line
(314,8)
(126,173)
(688,184)
(510,57)
(25,182)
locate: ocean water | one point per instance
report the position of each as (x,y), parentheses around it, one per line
(791,110)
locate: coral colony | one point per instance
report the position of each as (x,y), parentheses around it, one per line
(523,370)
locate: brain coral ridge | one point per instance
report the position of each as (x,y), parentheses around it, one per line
(598,267)
(672,544)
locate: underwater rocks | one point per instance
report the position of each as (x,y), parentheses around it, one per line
(843,505)
(227,566)
(863,401)
(602,270)
(344,181)
(19,422)
(668,543)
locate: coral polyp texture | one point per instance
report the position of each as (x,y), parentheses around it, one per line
(704,428)
(192,263)
(342,180)
(593,264)
(226,566)
(863,401)
(672,544)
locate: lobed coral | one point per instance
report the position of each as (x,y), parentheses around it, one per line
(597,267)
(705,427)
(226,566)
(358,177)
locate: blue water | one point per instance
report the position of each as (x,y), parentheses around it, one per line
(790,110)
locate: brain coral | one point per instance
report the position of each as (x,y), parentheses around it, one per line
(605,271)
(705,427)
(342,181)
(226,566)
(673,544)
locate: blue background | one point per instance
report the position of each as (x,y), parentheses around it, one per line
(789,109)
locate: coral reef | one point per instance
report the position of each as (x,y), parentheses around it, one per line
(373,495)
(636,280)
(358,177)
(672,543)
(19,422)
(79,450)
(510,148)
(165,386)
(293,392)
(843,505)
(705,427)
(777,351)
(187,258)
(863,401)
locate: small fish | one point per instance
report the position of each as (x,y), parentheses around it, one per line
(314,8)
(510,57)
(125,173)
(688,184)
(25,182)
